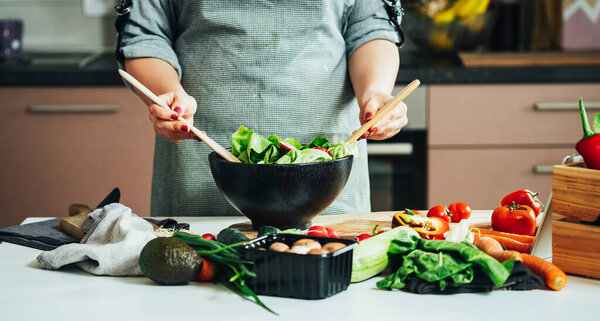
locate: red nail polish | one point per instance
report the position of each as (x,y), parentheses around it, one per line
(174,117)
(368,116)
(177,110)
(373,130)
(184,128)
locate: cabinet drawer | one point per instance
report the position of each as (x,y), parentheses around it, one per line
(507,114)
(481,177)
(72,145)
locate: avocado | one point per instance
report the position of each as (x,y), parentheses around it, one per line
(267,229)
(230,236)
(168,260)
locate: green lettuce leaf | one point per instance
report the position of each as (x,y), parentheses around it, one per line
(597,124)
(343,149)
(310,156)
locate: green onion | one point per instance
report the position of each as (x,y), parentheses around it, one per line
(232,267)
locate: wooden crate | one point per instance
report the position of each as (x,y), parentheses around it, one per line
(576,192)
(576,247)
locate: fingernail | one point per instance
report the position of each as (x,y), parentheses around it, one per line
(184,128)
(177,110)
(368,116)
(373,130)
(174,117)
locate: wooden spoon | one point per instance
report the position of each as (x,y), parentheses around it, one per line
(200,134)
(384,110)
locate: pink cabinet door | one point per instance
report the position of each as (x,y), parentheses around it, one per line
(72,145)
(481,177)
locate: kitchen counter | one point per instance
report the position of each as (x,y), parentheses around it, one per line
(30,293)
(90,69)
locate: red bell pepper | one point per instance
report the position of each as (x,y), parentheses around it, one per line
(589,146)
(427,227)
(523,197)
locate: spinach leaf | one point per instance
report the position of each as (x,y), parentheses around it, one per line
(494,270)
(318,142)
(448,263)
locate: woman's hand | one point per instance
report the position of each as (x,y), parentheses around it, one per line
(165,122)
(370,103)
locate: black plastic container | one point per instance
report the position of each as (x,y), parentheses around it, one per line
(296,275)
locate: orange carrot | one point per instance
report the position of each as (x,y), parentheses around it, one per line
(516,237)
(508,243)
(495,250)
(554,277)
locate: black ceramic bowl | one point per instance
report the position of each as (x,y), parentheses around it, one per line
(280,195)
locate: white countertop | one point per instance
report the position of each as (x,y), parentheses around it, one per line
(30,293)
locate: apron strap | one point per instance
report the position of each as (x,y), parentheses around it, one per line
(395,13)
(122,10)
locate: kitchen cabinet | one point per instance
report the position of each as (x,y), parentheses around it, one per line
(67,145)
(485,141)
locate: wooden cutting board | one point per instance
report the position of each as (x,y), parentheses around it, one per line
(524,59)
(351,225)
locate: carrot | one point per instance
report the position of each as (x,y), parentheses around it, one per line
(516,237)
(495,250)
(508,243)
(554,277)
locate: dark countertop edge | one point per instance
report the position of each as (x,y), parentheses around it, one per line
(427,76)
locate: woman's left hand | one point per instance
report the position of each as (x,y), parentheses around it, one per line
(370,103)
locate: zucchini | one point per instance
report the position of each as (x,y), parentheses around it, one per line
(231,236)
(267,229)
(370,256)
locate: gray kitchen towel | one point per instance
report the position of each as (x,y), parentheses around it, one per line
(111,247)
(45,235)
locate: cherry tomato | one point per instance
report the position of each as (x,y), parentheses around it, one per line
(523,197)
(323,149)
(362,237)
(517,219)
(318,230)
(332,233)
(208,272)
(459,211)
(209,236)
(439,211)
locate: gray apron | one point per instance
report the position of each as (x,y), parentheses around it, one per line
(278,69)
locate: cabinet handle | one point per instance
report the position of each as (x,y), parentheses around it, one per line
(542,169)
(565,106)
(68,109)
(404,149)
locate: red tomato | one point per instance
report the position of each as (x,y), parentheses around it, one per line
(209,236)
(459,211)
(439,211)
(208,272)
(318,230)
(363,236)
(332,233)
(517,219)
(523,197)
(323,149)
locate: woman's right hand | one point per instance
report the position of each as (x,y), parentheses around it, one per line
(165,121)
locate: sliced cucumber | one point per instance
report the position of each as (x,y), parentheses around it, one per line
(370,256)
